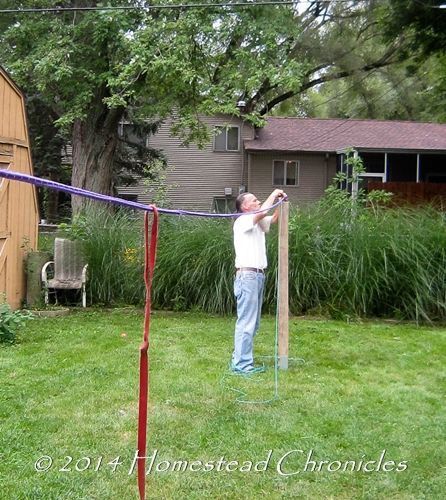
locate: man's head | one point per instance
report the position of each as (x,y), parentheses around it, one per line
(247,202)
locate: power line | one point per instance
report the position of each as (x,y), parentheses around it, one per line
(346,90)
(348,121)
(393,87)
(431,6)
(149,7)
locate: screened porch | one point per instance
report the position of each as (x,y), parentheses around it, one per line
(412,176)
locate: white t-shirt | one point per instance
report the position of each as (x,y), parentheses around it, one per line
(249,241)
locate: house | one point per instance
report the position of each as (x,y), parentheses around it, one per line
(200,179)
(18,201)
(396,154)
(300,155)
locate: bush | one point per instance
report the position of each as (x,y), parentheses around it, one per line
(11,322)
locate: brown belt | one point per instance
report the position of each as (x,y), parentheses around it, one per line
(254,269)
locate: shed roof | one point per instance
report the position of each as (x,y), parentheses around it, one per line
(330,135)
(13,84)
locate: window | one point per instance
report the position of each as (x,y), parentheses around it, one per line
(128,197)
(285,173)
(226,139)
(130,133)
(223,204)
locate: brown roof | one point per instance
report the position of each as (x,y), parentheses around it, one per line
(316,134)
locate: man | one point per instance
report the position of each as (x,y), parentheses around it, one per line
(250,262)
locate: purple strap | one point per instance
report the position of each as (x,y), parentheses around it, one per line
(30,179)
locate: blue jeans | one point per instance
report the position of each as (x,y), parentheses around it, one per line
(248,291)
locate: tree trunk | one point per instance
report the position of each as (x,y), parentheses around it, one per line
(94,142)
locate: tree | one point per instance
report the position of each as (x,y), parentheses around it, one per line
(412,88)
(423,23)
(46,148)
(403,91)
(91,66)
(133,155)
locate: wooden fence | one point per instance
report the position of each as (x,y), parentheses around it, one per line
(413,193)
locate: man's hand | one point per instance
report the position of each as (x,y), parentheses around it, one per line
(279,195)
(276,194)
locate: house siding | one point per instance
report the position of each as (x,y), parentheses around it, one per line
(194,176)
(315,174)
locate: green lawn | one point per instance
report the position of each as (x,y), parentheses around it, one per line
(69,389)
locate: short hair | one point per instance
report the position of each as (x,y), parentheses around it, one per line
(239,202)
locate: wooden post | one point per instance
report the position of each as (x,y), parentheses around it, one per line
(283,286)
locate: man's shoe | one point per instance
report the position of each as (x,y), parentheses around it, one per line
(250,370)
(255,369)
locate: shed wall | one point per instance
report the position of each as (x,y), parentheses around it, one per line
(18,202)
(12,115)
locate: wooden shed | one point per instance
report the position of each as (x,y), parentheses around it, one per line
(18,201)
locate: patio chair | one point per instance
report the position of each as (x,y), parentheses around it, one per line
(69,269)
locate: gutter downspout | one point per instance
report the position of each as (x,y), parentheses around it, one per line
(242,142)
(418,167)
(327,156)
(249,172)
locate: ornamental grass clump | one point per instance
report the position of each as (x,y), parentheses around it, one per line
(113,246)
(195,267)
(368,262)
(345,259)
(352,255)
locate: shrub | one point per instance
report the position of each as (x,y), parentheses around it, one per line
(11,322)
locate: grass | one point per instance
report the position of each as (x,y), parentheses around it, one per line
(69,388)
